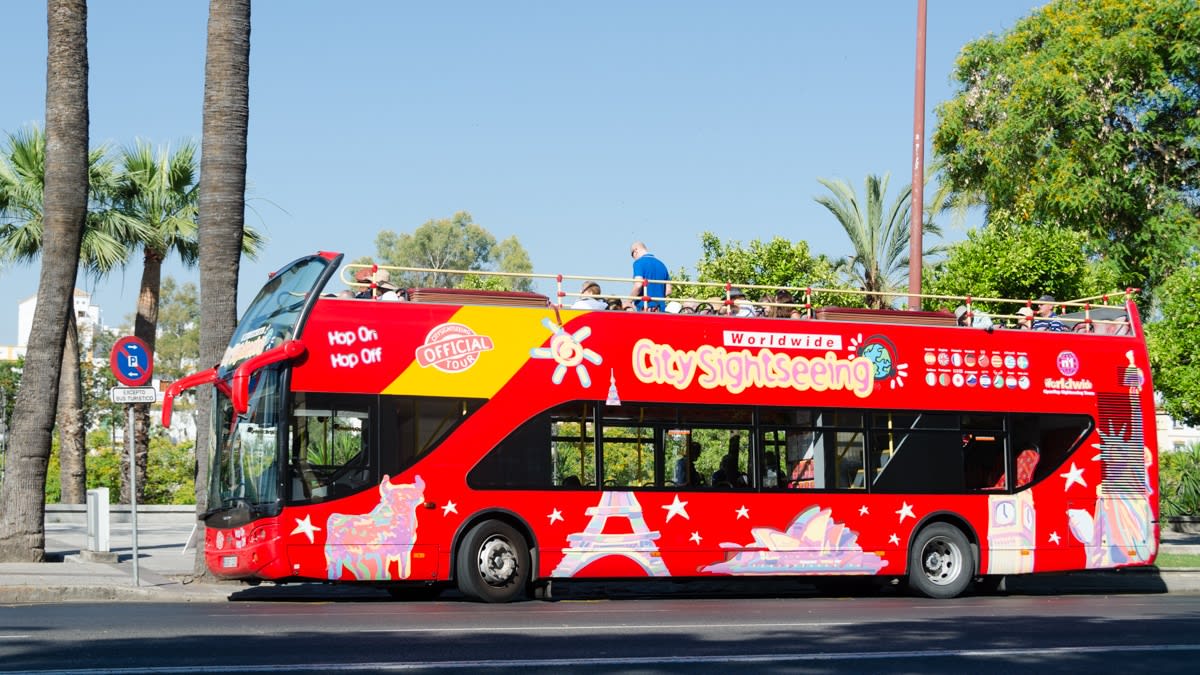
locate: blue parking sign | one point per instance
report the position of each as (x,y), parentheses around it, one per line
(132,362)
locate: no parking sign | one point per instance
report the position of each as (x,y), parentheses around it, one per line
(132,362)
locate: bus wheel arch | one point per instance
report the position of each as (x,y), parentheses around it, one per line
(493,558)
(942,558)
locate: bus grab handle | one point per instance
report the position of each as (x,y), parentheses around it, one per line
(194,380)
(241,377)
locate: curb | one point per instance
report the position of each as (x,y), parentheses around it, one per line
(1148,581)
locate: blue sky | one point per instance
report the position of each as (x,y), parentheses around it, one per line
(576,126)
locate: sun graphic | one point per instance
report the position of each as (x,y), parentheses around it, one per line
(568,352)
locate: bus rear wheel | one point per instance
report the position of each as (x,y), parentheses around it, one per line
(940,562)
(493,563)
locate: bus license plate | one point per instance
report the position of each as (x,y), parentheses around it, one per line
(229,561)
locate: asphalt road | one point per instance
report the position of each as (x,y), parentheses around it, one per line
(1139,633)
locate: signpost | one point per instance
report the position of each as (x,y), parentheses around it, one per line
(132,364)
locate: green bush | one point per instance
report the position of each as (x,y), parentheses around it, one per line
(1179,481)
(170,472)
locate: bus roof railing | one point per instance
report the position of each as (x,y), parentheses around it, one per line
(720,295)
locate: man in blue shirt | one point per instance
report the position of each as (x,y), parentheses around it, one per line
(1046,319)
(650,278)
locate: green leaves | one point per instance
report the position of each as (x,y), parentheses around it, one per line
(1174,342)
(1019,263)
(1086,116)
(454,243)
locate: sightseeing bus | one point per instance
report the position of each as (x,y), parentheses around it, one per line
(497,441)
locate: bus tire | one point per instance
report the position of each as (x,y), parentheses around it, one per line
(940,563)
(493,563)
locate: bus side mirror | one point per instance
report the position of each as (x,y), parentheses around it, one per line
(240,383)
(178,386)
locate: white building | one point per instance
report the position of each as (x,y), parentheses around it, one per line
(1173,434)
(87,317)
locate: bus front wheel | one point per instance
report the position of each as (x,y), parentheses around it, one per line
(940,563)
(493,563)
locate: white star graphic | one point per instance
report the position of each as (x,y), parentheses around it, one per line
(555,515)
(894,539)
(306,528)
(743,512)
(676,508)
(905,512)
(1054,537)
(1075,475)
(696,538)
(863,510)
(449,508)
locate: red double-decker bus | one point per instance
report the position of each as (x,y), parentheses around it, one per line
(498,441)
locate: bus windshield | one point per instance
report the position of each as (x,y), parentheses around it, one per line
(244,450)
(271,319)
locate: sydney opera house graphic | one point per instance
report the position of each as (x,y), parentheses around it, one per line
(813,544)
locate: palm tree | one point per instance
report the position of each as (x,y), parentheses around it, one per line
(880,237)
(222,199)
(22,494)
(104,246)
(159,191)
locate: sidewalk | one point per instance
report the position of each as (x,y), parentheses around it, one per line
(165,572)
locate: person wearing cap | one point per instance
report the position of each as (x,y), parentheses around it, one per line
(650,278)
(1046,319)
(589,297)
(976,319)
(738,305)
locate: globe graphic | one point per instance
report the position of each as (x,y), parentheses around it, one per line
(880,357)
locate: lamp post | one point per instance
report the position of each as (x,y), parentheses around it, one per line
(916,216)
(3,428)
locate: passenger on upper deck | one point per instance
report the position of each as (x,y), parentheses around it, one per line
(589,297)
(1025,318)
(1046,318)
(650,278)
(972,318)
(384,288)
(738,305)
(784,308)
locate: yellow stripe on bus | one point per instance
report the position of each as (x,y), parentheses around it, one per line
(512,335)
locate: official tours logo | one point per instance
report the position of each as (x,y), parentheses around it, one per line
(452,348)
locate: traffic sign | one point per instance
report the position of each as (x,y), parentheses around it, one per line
(133,395)
(132,362)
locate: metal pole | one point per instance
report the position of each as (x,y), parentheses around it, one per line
(131,443)
(917,214)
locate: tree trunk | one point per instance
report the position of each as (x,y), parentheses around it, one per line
(221,203)
(145,326)
(23,492)
(72,451)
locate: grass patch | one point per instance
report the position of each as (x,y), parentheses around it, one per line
(1177,560)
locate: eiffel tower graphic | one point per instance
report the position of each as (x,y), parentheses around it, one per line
(592,544)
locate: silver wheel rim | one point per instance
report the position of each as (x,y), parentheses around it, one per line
(497,561)
(942,561)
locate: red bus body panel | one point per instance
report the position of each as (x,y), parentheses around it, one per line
(523,362)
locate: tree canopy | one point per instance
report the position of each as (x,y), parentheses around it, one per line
(775,263)
(455,243)
(1086,115)
(1019,263)
(1175,343)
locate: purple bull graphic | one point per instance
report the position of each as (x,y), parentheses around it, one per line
(813,544)
(367,544)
